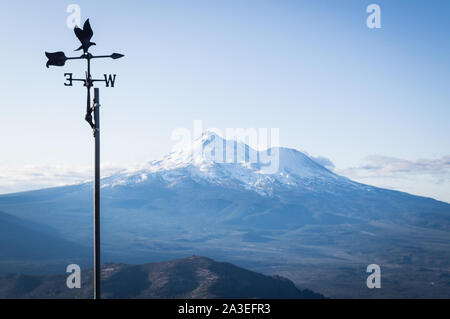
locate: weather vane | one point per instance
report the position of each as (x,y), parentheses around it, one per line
(59,59)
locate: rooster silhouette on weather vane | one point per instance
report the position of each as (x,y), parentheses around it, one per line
(85,36)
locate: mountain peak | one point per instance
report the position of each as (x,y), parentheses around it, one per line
(210,149)
(213,159)
(206,150)
(207,137)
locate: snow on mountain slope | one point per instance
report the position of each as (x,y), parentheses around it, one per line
(212,159)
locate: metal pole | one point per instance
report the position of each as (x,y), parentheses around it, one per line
(97,264)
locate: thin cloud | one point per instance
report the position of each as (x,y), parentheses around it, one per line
(380,165)
(428,177)
(14,179)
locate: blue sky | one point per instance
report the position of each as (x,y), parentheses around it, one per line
(373,101)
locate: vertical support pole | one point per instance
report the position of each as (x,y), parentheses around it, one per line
(97,264)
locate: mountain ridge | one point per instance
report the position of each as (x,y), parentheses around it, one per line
(193,277)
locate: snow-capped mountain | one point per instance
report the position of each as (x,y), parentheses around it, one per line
(276,207)
(212,159)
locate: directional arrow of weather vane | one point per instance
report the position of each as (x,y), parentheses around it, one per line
(59,59)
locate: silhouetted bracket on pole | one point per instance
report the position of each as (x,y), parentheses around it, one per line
(59,59)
